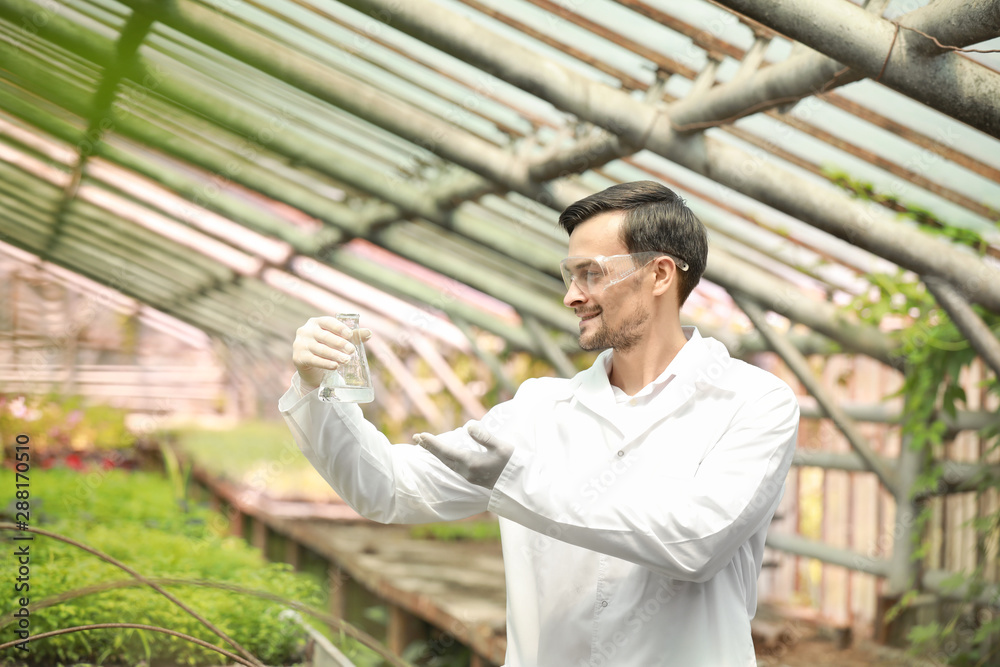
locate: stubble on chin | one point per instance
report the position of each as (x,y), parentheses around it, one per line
(624,338)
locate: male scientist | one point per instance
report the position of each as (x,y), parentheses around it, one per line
(633,498)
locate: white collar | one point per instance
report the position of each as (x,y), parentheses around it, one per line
(695,355)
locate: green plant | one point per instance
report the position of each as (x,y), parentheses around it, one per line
(135,518)
(259,454)
(57,422)
(929,222)
(437,653)
(934,354)
(474,531)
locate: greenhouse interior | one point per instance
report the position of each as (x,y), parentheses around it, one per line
(192,190)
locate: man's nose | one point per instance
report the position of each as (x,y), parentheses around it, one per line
(574,295)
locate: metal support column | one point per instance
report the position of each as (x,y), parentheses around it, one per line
(967,321)
(487,357)
(904,572)
(553,352)
(798,364)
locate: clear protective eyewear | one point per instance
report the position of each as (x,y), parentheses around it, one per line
(594,274)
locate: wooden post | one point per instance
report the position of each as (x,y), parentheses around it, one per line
(258,534)
(404,629)
(292,553)
(235,517)
(338,601)
(275,545)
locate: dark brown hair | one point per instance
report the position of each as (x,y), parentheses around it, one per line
(656,219)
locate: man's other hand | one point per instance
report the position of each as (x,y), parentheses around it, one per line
(321,345)
(482,468)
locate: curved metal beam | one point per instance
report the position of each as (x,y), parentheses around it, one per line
(642,124)
(967,321)
(899,58)
(955,22)
(800,366)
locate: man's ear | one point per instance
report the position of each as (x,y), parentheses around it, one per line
(664,275)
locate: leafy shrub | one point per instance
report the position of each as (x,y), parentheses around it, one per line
(135,518)
(54,422)
(935,352)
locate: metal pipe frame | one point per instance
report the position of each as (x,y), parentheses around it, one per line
(645,125)
(968,322)
(259,220)
(771,91)
(959,477)
(810,72)
(898,58)
(553,352)
(335,162)
(347,220)
(903,575)
(852,560)
(348,93)
(964,420)
(765,94)
(309,244)
(407,200)
(412,201)
(933,580)
(727,271)
(798,364)
(193,288)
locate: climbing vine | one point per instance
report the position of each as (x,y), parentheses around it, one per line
(933,354)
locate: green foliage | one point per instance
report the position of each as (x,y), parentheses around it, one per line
(135,518)
(358,653)
(234,453)
(437,654)
(261,455)
(62,423)
(934,353)
(474,531)
(929,222)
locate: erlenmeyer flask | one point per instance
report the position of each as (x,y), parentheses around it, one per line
(352,382)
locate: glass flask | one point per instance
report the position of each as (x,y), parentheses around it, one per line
(351,382)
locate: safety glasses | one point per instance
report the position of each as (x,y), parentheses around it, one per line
(593,275)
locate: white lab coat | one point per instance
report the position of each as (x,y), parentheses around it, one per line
(633,531)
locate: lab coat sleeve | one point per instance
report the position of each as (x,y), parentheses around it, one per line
(388,483)
(686,528)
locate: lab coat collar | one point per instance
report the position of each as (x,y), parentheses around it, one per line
(700,362)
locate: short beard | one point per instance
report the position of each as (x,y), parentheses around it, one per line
(624,338)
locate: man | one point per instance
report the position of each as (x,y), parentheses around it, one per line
(633,498)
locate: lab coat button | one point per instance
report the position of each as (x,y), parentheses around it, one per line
(621,453)
(604,603)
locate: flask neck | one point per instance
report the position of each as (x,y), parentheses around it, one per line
(350,320)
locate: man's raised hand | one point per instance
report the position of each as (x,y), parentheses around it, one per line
(322,344)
